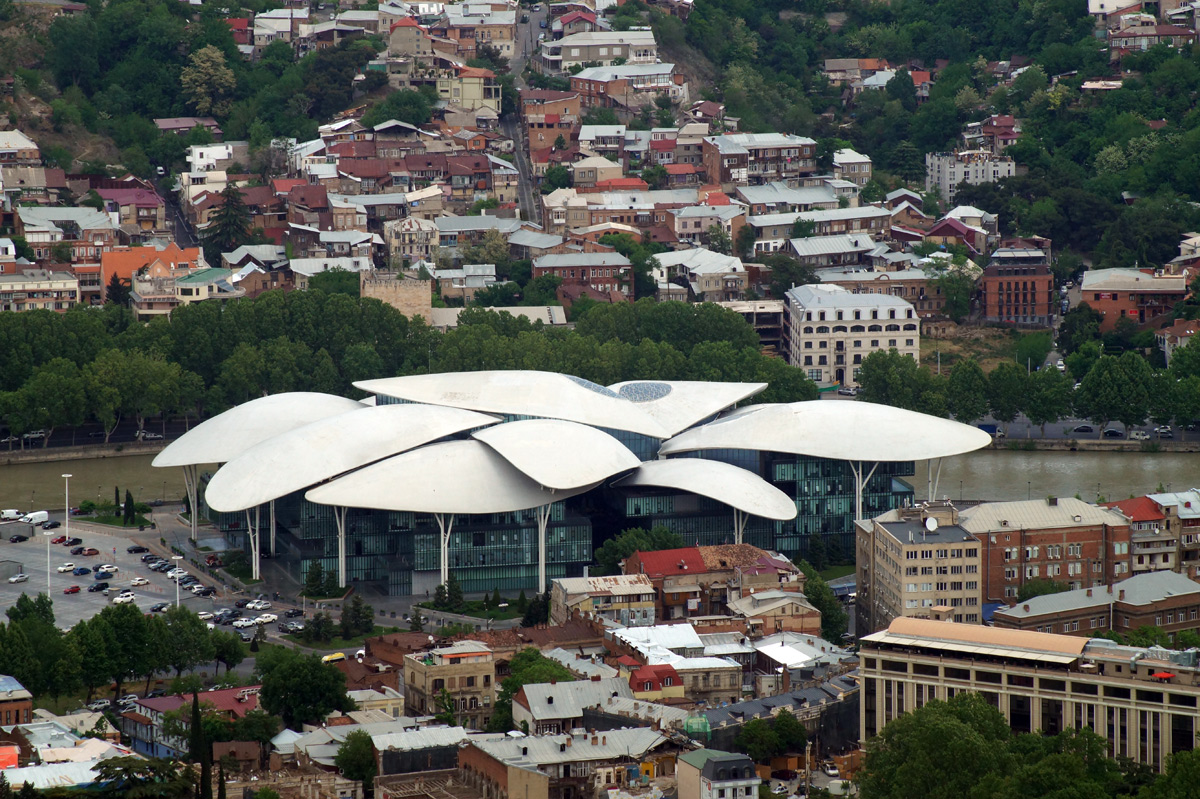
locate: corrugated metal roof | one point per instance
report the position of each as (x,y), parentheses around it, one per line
(566,700)
(1141,589)
(1035,514)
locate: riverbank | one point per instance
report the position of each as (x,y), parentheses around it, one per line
(87,452)
(1103,445)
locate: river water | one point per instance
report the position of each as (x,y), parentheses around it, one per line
(984,475)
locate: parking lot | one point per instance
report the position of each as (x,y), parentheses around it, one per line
(70,608)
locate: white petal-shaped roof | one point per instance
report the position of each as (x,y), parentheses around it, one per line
(849,431)
(326,448)
(558,454)
(522,393)
(724,482)
(229,434)
(679,404)
(448,477)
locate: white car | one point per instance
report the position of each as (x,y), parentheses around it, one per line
(241,624)
(204,615)
(139,581)
(66,567)
(266,618)
(107,567)
(19,578)
(175,574)
(124,599)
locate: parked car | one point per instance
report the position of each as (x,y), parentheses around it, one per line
(294,613)
(160,607)
(139,581)
(150,556)
(1139,435)
(266,618)
(19,578)
(779,789)
(1164,431)
(78,550)
(247,637)
(259,604)
(98,705)
(831,769)
(70,542)
(136,548)
(103,575)
(1082,428)
(243,623)
(66,567)
(51,525)
(17,539)
(107,567)
(204,615)
(1113,432)
(241,603)
(848,391)
(205,590)
(80,571)
(91,551)
(58,540)
(146,435)
(34,435)
(71,589)
(124,599)
(95,587)
(542,24)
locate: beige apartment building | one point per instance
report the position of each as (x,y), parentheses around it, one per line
(596,48)
(1141,701)
(916,562)
(831,330)
(38,289)
(626,599)
(464,669)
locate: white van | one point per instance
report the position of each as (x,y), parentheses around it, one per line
(11,515)
(36,517)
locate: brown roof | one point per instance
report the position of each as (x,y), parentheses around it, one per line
(238,750)
(729,556)
(309,196)
(994,636)
(573,632)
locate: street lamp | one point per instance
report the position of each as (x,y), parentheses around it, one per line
(47,534)
(177,557)
(67,503)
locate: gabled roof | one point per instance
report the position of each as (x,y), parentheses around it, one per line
(1138,509)
(566,700)
(667,562)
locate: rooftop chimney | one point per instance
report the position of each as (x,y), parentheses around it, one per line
(595,678)
(1121,595)
(595,741)
(1026,608)
(1089,592)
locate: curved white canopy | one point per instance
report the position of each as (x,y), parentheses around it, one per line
(229,434)
(522,393)
(449,477)
(679,404)
(849,431)
(329,447)
(558,454)
(724,482)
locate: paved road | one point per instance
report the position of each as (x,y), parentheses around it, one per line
(524,44)
(93,433)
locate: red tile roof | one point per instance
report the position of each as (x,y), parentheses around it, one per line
(666,562)
(285,185)
(623,184)
(1138,509)
(225,701)
(655,675)
(567,19)
(407,22)
(141,198)
(683,169)
(238,23)
(662,144)
(716,198)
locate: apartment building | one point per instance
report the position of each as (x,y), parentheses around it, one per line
(1133,294)
(138,210)
(410,239)
(1141,701)
(1059,538)
(597,48)
(38,289)
(1021,293)
(625,599)
(914,285)
(831,330)
(1181,520)
(603,140)
(629,86)
(916,562)
(852,166)
(944,171)
(465,670)
(1162,599)
(710,276)
(549,114)
(757,158)
(1152,544)
(86,232)
(17,148)
(603,272)
(781,198)
(713,774)
(472,25)
(773,232)
(551,708)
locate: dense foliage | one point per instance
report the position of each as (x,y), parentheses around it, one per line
(62,369)
(528,667)
(635,539)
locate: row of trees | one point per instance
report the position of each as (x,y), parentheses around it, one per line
(114,646)
(59,370)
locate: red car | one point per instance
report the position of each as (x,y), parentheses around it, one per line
(72,589)
(90,551)
(58,540)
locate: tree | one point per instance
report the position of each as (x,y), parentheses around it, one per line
(744,242)
(529,666)
(1116,389)
(320,628)
(335,281)
(196,732)
(229,227)
(141,778)
(956,285)
(758,740)
(314,579)
(791,733)
(416,622)
(454,593)
(355,758)
(1040,586)
(655,176)
(1078,326)
(556,177)
(227,649)
(1049,398)
(117,291)
(445,708)
(834,620)
(636,539)
(787,273)
(718,240)
(803,228)
(1007,391)
(188,643)
(301,689)
(537,612)
(966,395)
(208,82)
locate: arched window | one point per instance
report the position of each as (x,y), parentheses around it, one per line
(874,328)
(808,330)
(910,327)
(857,328)
(892,328)
(839,328)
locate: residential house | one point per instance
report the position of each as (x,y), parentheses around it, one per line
(463,281)
(603,140)
(144,725)
(652,683)
(831,330)
(852,166)
(601,48)
(161,287)
(781,198)
(1018,293)
(303,269)
(945,171)
(848,70)
(16,703)
(26,185)
(841,251)
(713,774)
(1163,599)
(915,285)
(777,611)
(1154,546)
(410,239)
(602,272)
(692,223)
(181,126)
(76,235)
(139,211)
(592,170)
(951,232)
(17,148)
(625,599)
(629,87)
(125,262)
(556,707)
(709,276)
(1181,519)
(1141,296)
(473,25)
(1060,538)
(774,231)
(465,669)
(757,158)
(1175,336)
(1146,34)
(993,134)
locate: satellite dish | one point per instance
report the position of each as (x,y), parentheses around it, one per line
(931,524)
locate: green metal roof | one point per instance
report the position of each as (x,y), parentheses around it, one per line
(210,275)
